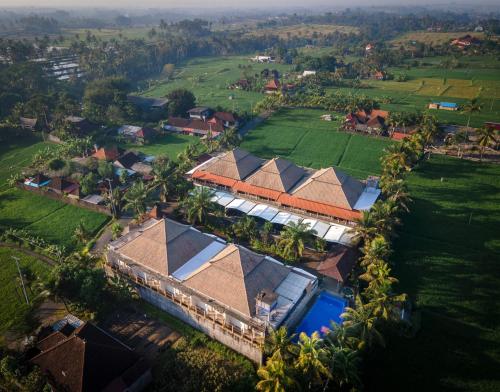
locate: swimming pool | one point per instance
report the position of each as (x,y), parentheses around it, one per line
(326,308)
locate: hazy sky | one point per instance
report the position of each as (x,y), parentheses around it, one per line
(211,3)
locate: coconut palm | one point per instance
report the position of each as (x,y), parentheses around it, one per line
(275,376)
(343,364)
(375,250)
(245,228)
(311,359)
(136,197)
(199,205)
(378,274)
(361,322)
(163,170)
(487,137)
(385,214)
(230,138)
(395,189)
(395,161)
(366,226)
(280,342)
(293,238)
(81,233)
(384,303)
(471,107)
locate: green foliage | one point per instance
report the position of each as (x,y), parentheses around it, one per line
(199,205)
(180,101)
(88,183)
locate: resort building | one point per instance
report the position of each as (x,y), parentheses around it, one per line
(328,193)
(227,291)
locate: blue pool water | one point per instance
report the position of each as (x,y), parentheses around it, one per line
(326,308)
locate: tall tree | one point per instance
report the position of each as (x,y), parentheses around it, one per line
(293,238)
(276,376)
(199,205)
(136,197)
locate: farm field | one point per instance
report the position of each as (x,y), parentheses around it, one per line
(429,37)
(446,259)
(209,77)
(14,312)
(50,219)
(304,30)
(300,135)
(106,34)
(170,144)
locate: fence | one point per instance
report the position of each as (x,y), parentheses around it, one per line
(66,199)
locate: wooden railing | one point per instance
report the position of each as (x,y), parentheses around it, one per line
(249,335)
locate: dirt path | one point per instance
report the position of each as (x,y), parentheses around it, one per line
(254,122)
(29,252)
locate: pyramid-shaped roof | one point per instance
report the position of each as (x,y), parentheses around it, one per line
(277,174)
(236,164)
(235,276)
(331,186)
(165,246)
(88,360)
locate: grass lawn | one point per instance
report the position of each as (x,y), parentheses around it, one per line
(446,259)
(209,77)
(300,135)
(50,219)
(170,144)
(14,312)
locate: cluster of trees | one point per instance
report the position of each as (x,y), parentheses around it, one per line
(337,102)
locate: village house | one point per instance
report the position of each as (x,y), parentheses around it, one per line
(443,106)
(272,87)
(306,74)
(85,358)
(37,181)
(79,126)
(30,124)
(465,41)
(378,75)
(366,121)
(200,113)
(194,127)
(327,193)
(148,104)
(137,134)
(225,290)
(242,84)
(263,59)
(64,186)
(107,153)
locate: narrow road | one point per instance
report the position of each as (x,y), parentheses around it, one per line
(107,236)
(28,252)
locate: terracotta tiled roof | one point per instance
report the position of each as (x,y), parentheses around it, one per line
(273,84)
(319,208)
(236,164)
(195,124)
(213,178)
(332,187)
(165,246)
(277,174)
(87,360)
(225,116)
(235,277)
(107,153)
(339,263)
(244,187)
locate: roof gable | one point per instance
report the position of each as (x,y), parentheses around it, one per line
(277,174)
(331,186)
(236,164)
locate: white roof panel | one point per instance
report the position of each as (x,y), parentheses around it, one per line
(293,286)
(257,210)
(321,228)
(367,199)
(224,198)
(293,218)
(246,207)
(235,204)
(269,213)
(334,233)
(281,218)
(193,264)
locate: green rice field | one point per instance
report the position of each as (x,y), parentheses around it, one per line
(446,259)
(301,136)
(170,144)
(209,77)
(50,219)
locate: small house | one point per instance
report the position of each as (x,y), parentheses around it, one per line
(148,104)
(306,73)
(31,124)
(63,186)
(127,160)
(494,125)
(378,75)
(200,113)
(227,119)
(448,106)
(136,134)
(107,153)
(272,87)
(38,181)
(263,59)
(434,105)
(79,125)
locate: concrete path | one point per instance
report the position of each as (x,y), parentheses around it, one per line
(106,237)
(254,122)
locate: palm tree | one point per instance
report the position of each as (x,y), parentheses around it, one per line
(375,250)
(395,190)
(395,161)
(280,342)
(136,198)
(81,233)
(361,321)
(230,138)
(163,170)
(245,228)
(199,205)
(487,137)
(378,274)
(275,376)
(366,227)
(471,107)
(384,302)
(311,359)
(343,364)
(385,214)
(293,238)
